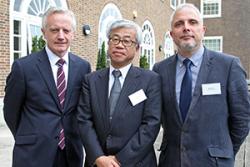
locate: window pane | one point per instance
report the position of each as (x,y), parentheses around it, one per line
(17,43)
(17,5)
(213,44)
(210,7)
(16,56)
(58,3)
(17,27)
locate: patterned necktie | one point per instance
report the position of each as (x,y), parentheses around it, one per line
(186,89)
(61,88)
(115,91)
(61,82)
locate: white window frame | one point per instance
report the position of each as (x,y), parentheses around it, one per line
(149,48)
(211,15)
(105,20)
(215,38)
(26,20)
(168,47)
(177,2)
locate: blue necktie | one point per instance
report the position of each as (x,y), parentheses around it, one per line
(186,89)
(115,91)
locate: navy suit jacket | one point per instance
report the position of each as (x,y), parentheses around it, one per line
(133,129)
(33,114)
(216,125)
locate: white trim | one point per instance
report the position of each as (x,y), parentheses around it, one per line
(168,51)
(150,48)
(26,20)
(211,15)
(105,20)
(215,38)
(173,6)
(177,2)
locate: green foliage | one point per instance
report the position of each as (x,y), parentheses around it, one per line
(144,62)
(101,58)
(37,43)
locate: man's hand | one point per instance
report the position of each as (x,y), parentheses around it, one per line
(107,161)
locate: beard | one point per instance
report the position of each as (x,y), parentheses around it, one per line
(188,46)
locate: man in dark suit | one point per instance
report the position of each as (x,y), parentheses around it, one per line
(206,109)
(120,133)
(41,98)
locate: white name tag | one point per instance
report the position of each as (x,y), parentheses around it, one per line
(137,97)
(211,89)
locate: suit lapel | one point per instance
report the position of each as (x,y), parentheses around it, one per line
(46,71)
(102,87)
(171,75)
(72,72)
(129,87)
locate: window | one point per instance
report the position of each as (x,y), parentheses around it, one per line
(17,39)
(109,13)
(214,43)
(175,3)
(211,8)
(168,45)
(148,43)
(26,22)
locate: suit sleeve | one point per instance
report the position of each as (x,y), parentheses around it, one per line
(239,105)
(14,97)
(142,141)
(86,125)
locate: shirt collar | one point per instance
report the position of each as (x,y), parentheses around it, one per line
(53,58)
(124,70)
(195,58)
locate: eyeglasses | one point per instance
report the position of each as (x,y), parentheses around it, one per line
(125,42)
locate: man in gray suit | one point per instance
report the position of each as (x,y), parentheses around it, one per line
(120,133)
(41,98)
(206,108)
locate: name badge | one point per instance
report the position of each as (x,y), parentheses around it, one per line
(211,89)
(137,97)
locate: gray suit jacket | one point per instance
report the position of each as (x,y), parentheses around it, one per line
(32,111)
(133,129)
(216,125)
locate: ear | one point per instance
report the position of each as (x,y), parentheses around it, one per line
(137,47)
(171,34)
(204,29)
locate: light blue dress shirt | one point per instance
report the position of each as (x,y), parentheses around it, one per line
(181,69)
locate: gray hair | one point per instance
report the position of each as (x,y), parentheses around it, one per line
(186,5)
(126,24)
(55,10)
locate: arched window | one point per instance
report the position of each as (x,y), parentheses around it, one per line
(25,23)
(148,43)
(109,13)
(168,45)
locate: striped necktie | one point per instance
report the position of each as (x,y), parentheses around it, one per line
(61,88)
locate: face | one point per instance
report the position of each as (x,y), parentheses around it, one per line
(187,31)
(58,33)
(121,55)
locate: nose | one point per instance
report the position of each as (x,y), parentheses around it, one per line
(120,44)
(60,34)
(186,27)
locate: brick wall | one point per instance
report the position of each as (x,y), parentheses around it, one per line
(233,25)
(4,43)
(88,12)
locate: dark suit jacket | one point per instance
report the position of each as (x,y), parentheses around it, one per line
(133,129)
(32,110)
(216,125)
